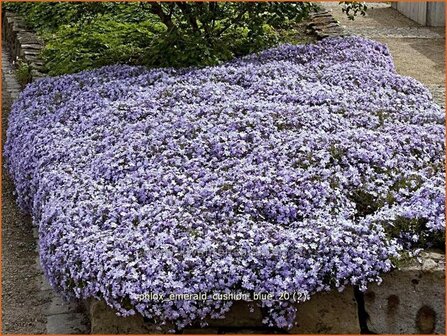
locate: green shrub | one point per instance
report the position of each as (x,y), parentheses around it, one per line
(99,42)
(85,35)
(23,73)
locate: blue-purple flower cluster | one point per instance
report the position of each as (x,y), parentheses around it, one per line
(277,172)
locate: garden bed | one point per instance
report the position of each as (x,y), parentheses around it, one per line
(298,170)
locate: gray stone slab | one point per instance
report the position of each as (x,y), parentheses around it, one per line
(59,306)
(104,320)
(331,312)
(328,313)
(34,46)
(46,295)
(42,283)
(410,300)
(38,264)
(67,324)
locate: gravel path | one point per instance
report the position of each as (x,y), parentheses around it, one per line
(417,51)
(30,306)
(23,304)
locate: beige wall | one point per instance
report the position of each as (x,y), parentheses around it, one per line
(435,14)
(424,13)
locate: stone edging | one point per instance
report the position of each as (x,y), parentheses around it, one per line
(330,312)
(410,300)
(322,24)
(22,44)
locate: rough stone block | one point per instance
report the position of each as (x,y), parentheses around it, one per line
(323,25)
(33,46)
(328,313)
(27,38)
(241,314)
(35,233)
(30,52)
(45,295)
(67,324)
(36,63)
(59,306)
(410,300)
(31,59)
(42,283)
(104,320)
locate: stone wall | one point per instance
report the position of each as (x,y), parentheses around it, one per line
(326,313)
(22,44)
(322,24)
(410,300)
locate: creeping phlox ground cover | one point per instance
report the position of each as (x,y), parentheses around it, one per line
(301,169)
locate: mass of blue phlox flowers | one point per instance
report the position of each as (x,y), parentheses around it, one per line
(284,171)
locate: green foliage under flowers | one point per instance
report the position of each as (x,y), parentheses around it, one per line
(81,36)
(23,73)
